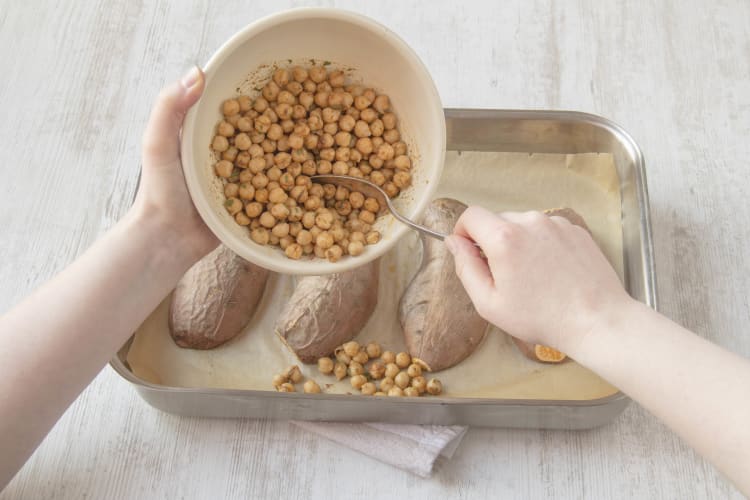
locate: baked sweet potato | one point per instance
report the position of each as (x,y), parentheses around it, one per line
(215,300)
(441,326)
(538,352)
(326,311)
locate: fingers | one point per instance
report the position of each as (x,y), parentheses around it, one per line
(471,268)
(161,142)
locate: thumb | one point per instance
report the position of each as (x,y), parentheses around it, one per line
(472,270)
(161,140)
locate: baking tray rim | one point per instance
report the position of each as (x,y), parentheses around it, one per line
(649,271)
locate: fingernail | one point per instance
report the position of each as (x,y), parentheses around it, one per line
(451,245)
(191,77)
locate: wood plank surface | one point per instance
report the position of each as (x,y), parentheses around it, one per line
(77,85)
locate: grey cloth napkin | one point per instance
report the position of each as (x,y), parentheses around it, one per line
(414,448)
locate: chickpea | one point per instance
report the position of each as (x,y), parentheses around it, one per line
(372,237)
(270,92)
(285,241)
(308,249)
(395,391)
(387,384)
(336,100)
(339,370)
(286,387)
(361,357)
(377,178)
(233,205)
(261,195)
(231,190)
(304,237)
(225,128)
(356,368)
(389,121)
(374,161)
(260,235)
(279,379)
(267,220)
(224,168)
(253,210)
(391,370)
(434,387)
(411,392)
(311,387)
(334,253)
(367,217)
(279,211)
(324,241)
(414,370)
(369,115)
(299,155)
(312,203)
(295,228)
(241,219)
(343,139)
(277,195)
(419,383)
(220,144)
(357,236)
(399,148)
(385,152)
(293,251)
(246,191)
(260,181)
(368,389)
(346,123)
(317,74)
(373,350)
(232,120)
(372,205)
(401,179)
(342,356)
(377,128)
(358,381)
(388,357)
(280,230)
(403,359)
(324,220)
(391,136)
(294,374)
(381,103)
(351,348)
(337,78)
(402,162)
(361,102)
(325,366)
(295,212)
(321,99)
(377,370)
(343,154)
(364,145)
(294,88)
(230,154)
(390,189)
(355,248)
(361,129)
(299,74)
(230,107)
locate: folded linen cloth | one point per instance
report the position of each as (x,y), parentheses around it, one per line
(414,448)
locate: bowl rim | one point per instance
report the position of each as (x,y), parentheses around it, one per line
(244,247)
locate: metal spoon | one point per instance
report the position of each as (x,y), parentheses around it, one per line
(371,190)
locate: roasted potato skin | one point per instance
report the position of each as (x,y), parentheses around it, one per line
(215,300)
(441,326)
(326,311)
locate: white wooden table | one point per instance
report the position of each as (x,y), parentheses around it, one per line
(78,79)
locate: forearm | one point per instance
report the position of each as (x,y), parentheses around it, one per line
(697,388)
(65,332)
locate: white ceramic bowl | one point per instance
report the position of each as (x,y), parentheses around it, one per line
(376,57)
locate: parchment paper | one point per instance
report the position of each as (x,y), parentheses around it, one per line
(587,183)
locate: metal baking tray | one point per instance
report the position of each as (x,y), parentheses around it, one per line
(469,130)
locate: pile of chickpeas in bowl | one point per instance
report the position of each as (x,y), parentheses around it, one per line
(307,122)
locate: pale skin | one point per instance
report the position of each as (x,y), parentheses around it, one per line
(544,281)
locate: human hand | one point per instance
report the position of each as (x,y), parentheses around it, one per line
(163,197)
(544,280)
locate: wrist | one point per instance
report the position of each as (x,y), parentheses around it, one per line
(606,319)
(166,243)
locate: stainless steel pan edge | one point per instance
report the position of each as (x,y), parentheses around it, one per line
(468,129)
